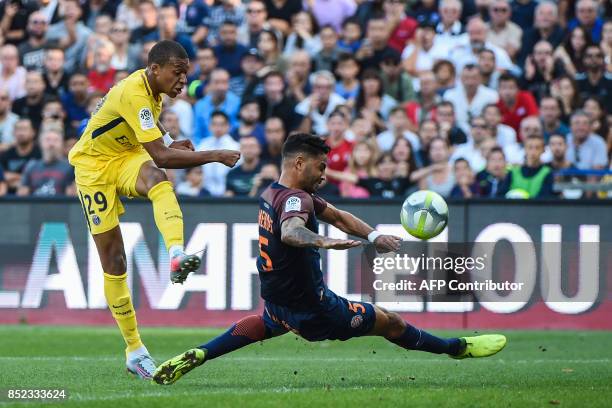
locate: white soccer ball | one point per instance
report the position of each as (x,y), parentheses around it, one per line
(424,214)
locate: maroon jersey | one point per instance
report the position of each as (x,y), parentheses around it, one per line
(290,276)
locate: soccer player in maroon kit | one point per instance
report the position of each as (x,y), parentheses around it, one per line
(296,297)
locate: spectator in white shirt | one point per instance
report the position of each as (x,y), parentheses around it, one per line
(12,75)
(215,174)
(317,107)
(398,127)
(585,149)
(504,135)
(420,54)
(470,97)
(449,27)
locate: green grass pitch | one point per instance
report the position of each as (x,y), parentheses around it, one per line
(537,368)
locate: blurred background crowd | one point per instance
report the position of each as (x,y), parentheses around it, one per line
(473,98)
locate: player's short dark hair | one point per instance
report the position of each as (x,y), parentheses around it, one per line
(347,56)
(351,20)
(461,160)
(486,50)
(274,74)
(506,77)
(558,135)
(164,51)
(219,113)
(489,106)
(496,149)
(535,137)
(304,143)
(229,22)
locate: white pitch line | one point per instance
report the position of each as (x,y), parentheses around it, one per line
(324,359)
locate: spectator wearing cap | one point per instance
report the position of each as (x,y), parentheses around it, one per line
(216,173)
(249,123)
(14,160)
(401,26)
(585,149)
(514,104)
(147,11)
(375,44)
(191,15)
(425,48)
(501,31)
(317,107)
(397,82)
(225,10)
(228,52)
(550,114)
(198,81)
(256,22)
(218,98)
(167,21)
(32,51)
(275,102)
(449,27)
(595,81)
(470,97)
(468,45)
(541,69)
(71,34)
(12,75)
(249,83)
(488,68)
(331,13)
(51,175)
(297,75)
(545,28)
(587,17)
(239,180)
(532,178)
(305,35)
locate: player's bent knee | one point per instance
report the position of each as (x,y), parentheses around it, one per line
(252,327)
(155,176)
(395,326)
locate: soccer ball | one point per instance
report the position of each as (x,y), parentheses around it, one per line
(424,214)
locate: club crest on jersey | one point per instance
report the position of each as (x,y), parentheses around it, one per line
(356,321)
(293,204)
(146,119)
(96,220)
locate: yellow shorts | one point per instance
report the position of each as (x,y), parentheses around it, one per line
(100,196)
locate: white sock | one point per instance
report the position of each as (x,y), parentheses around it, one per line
(140,351)
(176,250)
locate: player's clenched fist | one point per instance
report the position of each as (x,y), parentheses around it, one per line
(387,243)
(182,145)
(330,243)
(228,157)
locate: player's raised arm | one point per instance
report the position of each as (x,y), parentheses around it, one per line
(347,222)
(177,158)
(295,233)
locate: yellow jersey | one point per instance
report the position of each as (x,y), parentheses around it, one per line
(124,118)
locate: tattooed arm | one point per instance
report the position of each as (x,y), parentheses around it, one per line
(295,233)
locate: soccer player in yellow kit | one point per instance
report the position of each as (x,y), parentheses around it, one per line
(120,154)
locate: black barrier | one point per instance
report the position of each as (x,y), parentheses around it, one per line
(45,248)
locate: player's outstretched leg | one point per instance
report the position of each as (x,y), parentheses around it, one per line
(391,326)
(153,183)
(246,331)
(117,294)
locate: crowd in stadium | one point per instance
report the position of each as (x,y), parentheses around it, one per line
(473,98)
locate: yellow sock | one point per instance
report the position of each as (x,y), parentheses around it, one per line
(120,304)
(167,213)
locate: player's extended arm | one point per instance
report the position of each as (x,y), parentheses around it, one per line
(170,158)
(347,222)
(295,233)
